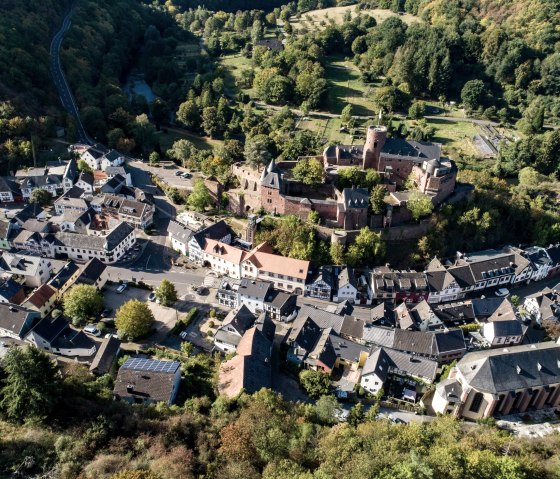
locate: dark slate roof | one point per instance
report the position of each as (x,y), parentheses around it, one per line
(429,343)
(154,384)
(485,307)
(450,340)
(217,231)
(30,211)
(112,185)
(554,253)
(382,315)
(91,272)
(266,327)
(347,350)
(117,235)
(455,312)
(13,318)
(62,277)
(355,198)
(39,181)
(74,192)
(346,276)
(307,335)
(254,289)
(113,155)
(418,150)
(280,299)
(324,319)
(50,328)
(86,177)
(106,355)
(115,170)
(382,359)
(325,274)
(9,183)
(512,368)
(72,339)
(352,327)
(9,288)
(511,327)
(241,320)
(71,170)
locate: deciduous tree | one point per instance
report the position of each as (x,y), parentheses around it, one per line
(166,293)
(134,319)
(82,302)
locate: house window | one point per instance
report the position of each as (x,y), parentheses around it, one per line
(476,402)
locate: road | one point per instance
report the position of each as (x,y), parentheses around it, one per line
(64,92)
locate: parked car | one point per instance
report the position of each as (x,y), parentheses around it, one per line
(179,173)
(183,335)
(502,292)
(152,296)
(106,312)
(395,419)
(186,175)
(91,329)
(121,288)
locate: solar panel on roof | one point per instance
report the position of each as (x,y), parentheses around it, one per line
(141,364)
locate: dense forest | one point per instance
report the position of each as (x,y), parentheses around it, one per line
(90,436)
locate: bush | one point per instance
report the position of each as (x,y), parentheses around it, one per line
(212,313)
(183,323)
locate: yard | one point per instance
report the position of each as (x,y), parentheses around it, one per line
(166,140)
(234,65)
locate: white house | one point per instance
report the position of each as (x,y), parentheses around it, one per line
(16,321)
(540,261)
(235,324)
(503,333)
(253,293)
(112,158)
(180,235)
(347,287)
(82,247)
(384,362)
(34,269)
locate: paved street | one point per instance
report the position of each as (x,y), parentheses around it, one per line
(64,92)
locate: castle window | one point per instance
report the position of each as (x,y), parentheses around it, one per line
(476,402)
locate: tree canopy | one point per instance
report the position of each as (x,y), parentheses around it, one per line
(166,293)
(82,302)
(134,319)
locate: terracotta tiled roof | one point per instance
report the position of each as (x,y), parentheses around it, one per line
(41,296)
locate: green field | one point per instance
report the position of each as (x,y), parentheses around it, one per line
(345,86)
(319,19)
(233,66)
(166,140)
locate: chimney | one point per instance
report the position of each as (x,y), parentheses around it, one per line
(130,388)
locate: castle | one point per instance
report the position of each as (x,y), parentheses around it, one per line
(397,160)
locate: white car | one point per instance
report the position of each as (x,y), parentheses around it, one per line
(121,288)
(183,335)
(91,329)
(502,292)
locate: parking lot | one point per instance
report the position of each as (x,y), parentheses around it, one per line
(167,171)
(165,317)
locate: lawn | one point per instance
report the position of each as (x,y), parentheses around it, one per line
(346,86)
(166,140)
(312,20)
(328,129)
(234,66)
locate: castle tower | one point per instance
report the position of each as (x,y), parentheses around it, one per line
(251,229)
(375,139)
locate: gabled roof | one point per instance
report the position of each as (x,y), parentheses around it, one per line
(224,251)
(9,288)
(9,183)
(241,320)
(273,263)
(346,276)
(105,356)
(216,232)
(14,318)
(33,210)
(325,274)
(512,368)
(65,273)
(179,232)
(50,328)
(509,327)
(382,315)
(355,198)
(148,379)
(254,289)
(41,296)
(113,184)
(382,359)
(91,272)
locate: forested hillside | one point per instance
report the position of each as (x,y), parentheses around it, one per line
(26,28)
